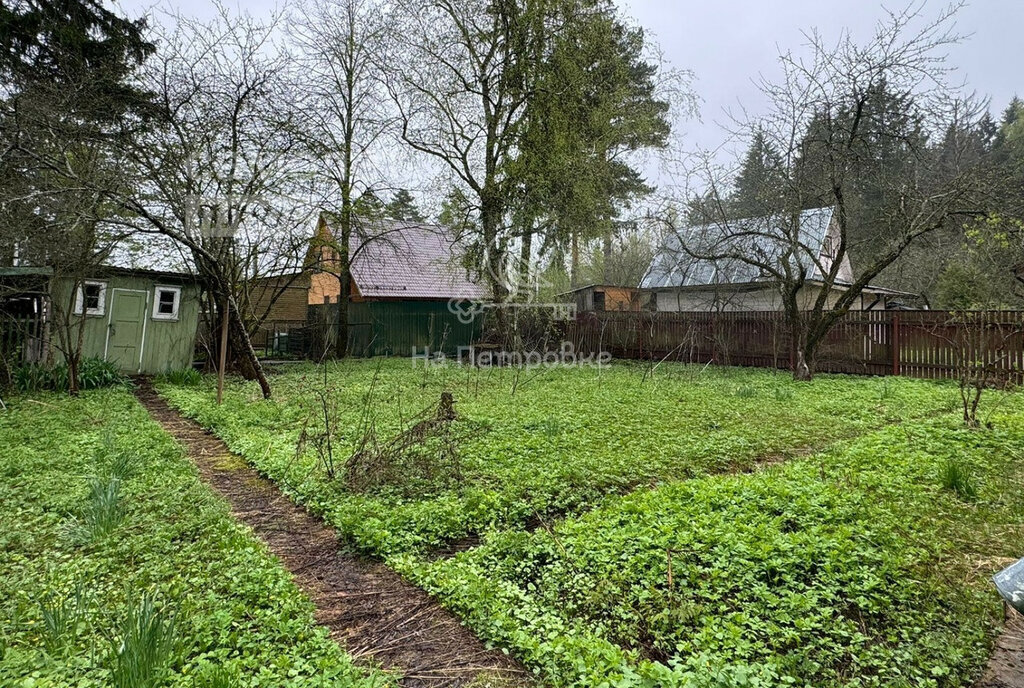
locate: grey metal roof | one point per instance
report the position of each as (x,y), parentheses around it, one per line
(761,239)
(411,260)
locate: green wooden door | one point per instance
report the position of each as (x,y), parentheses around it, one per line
(126,329)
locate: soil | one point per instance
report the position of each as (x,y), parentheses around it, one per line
(1006,666)
(376,615)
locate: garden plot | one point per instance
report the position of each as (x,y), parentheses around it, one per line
(866,565)
(535,445)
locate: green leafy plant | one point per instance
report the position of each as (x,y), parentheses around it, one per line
(217,676)
(93,373)
(146,640)
(60,615)
(783,394)
(746,391)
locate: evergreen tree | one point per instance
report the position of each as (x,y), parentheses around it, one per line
(761,183)
(403,207)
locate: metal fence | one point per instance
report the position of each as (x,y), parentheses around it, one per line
(283,339)
(923,344)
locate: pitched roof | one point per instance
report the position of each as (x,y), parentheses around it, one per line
(411,260)
(760,238)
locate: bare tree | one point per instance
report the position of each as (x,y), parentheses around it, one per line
(822,127)
(345,120)
(223,175)
(457,79)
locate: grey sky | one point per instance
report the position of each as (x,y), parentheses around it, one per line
(728,43)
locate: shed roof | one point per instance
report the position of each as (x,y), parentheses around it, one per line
(761,239)
(411,260)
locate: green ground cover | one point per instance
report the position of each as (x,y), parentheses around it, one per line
(860,566)
(862,563)
(120,568)
(542,444)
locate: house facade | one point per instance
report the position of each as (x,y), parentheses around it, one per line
(607,297)
(405,276)
(718,267)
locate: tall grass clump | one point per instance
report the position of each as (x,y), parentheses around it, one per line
(784,394)
(746,391)
(958,478)
(103,510)
(146,641)
(185,377)
(60,617)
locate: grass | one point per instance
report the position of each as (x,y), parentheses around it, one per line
(169,592)
(542,445)
(625,543)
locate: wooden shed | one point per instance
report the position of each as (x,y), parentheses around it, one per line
(607,297)
(144,320)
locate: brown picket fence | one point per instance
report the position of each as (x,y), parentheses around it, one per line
(922,344)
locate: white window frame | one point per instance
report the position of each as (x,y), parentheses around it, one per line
(101,309)
(157,315)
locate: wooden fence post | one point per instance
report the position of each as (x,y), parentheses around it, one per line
(895,343)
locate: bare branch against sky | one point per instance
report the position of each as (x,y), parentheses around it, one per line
(729,44)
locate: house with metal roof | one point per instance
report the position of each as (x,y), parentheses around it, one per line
(731,266)
(404,278)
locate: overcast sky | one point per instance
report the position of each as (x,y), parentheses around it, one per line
(728,43)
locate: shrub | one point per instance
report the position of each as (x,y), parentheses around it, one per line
(94,373)
(185,377)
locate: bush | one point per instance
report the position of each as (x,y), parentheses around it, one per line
(93,373)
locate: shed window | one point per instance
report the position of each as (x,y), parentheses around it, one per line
(165,305)
(91,298)
(598,300)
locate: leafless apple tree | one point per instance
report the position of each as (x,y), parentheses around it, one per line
(830,137)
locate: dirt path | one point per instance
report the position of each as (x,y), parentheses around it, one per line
(1006,666)
(377,616)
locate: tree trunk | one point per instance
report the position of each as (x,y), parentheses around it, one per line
(607,253)
(72,361)
(525,256)
(574,261)
(240,345)
(802,369)
(341,328)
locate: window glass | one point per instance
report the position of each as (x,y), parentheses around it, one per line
(92,297)
(165,303)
